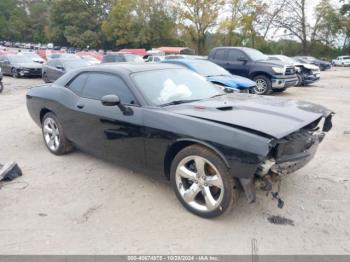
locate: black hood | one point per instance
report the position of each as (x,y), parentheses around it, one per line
(274,117)
(272,63)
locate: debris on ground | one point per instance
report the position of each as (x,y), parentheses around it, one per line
(280,202)
(278,220)
(85,217)
(9,172)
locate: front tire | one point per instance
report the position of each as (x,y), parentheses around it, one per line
(45,78)
(263,85)
(14,73)
(54,136)
(300,80)
(1,86)
(202,182)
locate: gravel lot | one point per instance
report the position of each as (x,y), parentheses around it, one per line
(77,204)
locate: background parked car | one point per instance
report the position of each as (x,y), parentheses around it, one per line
(33,56)
(307,73)
(323,65)
(216,74)
(153,58)
(62,56)
(91,60)
(55,68)
(19,66)
(251,63)
(1,84)
(341,61)
(121,57)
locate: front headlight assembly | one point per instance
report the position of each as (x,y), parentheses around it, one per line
(278,70)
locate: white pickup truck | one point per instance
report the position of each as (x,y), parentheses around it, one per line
(341,61)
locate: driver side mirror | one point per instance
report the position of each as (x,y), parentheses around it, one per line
(110,100)
(114,100)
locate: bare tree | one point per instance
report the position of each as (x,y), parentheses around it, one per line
(293,18)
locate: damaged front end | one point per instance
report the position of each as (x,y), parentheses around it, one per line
(286,156)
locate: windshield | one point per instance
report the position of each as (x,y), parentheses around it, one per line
(133,58)
(302,60)
(31,55)
(19,59)
(205,68)
(73,64)
(255,55)
(168,85)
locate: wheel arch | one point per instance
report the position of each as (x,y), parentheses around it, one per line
(257,73)
(43,112)
(180,144)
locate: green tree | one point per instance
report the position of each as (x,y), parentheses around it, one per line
(76,22)
(345,24)
(197,17)
(327,24)
(13,20)
(38,20)
(140,23)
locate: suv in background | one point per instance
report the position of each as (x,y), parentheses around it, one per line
(251,63)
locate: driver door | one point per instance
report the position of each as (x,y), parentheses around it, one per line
(105,130)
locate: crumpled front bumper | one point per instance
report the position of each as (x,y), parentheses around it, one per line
(289,155)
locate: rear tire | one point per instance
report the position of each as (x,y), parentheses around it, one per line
(1,86)
(202,182)
(263,85)
(54,136)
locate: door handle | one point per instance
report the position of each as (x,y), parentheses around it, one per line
(80,105)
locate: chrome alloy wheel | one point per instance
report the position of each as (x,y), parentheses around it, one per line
(199,183)
(51,134)
(261,86)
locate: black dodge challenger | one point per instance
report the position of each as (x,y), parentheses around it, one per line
(211,145)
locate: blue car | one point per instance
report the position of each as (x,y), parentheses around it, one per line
(216,74)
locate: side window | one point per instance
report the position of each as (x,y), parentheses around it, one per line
(220,54)
(78,83)
(233,55)
(99,85)
(2,58)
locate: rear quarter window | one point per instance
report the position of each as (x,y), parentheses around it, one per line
(77,84)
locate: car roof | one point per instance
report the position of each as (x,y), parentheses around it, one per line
(186,61)
(132,67)
(234,47)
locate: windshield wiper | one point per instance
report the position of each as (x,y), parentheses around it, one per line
(178,102)
(218,95)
